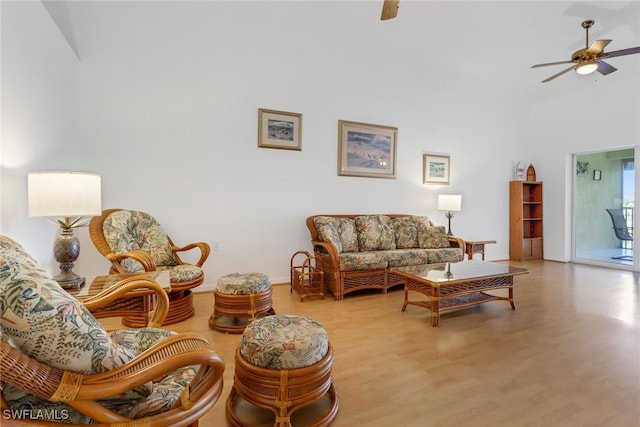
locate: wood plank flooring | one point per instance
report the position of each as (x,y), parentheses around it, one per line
(569,355)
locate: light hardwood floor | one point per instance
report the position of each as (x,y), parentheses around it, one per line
(569,355)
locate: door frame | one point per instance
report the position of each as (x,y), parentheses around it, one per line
(635,266)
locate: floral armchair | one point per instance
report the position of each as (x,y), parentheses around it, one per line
(59,365)
(134,241)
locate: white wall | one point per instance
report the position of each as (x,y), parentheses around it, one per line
(167,114)
(39,78)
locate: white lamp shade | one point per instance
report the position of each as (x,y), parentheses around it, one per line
(64,194)
(449,202)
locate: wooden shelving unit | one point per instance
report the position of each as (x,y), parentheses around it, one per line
(525,220)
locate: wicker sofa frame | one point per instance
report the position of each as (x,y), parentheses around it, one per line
(341,283)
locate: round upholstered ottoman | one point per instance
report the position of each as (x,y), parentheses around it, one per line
(240,298)
(283,364)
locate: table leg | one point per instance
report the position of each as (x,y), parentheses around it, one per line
(406,295)
(435,306)
(469,251)
(478,249)
(511,301)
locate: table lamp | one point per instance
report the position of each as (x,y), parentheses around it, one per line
(449,203)
(67,198)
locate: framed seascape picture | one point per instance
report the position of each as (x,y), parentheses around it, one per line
(435,169)
(279,129)
(367,150)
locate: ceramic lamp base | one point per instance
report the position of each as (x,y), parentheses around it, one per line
(66,250)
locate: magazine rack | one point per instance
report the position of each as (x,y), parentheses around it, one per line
(306,275)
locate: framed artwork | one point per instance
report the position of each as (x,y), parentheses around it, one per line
(435,169)
(279,129)
(367,150)
(597,175)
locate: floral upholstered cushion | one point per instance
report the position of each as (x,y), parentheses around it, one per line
(405,257)
(126,231)
(347,231)
(362,261)
(164,394)
(182,273)
(437,256)
(433,237)
(339,231)
(328,233)
(45,322)
(406,232)
(243,283)
(375,232)
(284,342)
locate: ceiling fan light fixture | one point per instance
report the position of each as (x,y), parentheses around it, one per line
(586,67)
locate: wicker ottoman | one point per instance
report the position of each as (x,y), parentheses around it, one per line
(283,364)
(239,299)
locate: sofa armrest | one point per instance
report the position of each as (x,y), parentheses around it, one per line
(456,242)
(325,249)
(328,253)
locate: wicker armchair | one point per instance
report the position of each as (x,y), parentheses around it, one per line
(134,241)
(84,392)
(58,364)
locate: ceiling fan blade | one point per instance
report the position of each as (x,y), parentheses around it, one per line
(604,68)
(622,52)
(390,9)
(566,70)
(597,47)
(551,63)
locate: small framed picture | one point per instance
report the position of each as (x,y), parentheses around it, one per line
(367,150)
(435,169)
(597,175)
(279,129)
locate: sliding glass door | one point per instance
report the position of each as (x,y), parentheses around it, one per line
(604,208)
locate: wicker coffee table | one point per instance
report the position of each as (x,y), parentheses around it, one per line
(452,286)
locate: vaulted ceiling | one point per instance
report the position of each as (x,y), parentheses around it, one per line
(492,40)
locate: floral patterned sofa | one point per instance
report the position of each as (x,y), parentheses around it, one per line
(356,251)
(123,376)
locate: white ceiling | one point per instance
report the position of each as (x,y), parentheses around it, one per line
(494,40)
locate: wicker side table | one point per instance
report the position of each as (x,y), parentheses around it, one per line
(476,247)
(307,277)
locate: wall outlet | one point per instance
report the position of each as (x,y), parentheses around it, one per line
(215,246)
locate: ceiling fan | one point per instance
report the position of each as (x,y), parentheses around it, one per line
(390,9)
(590,59)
